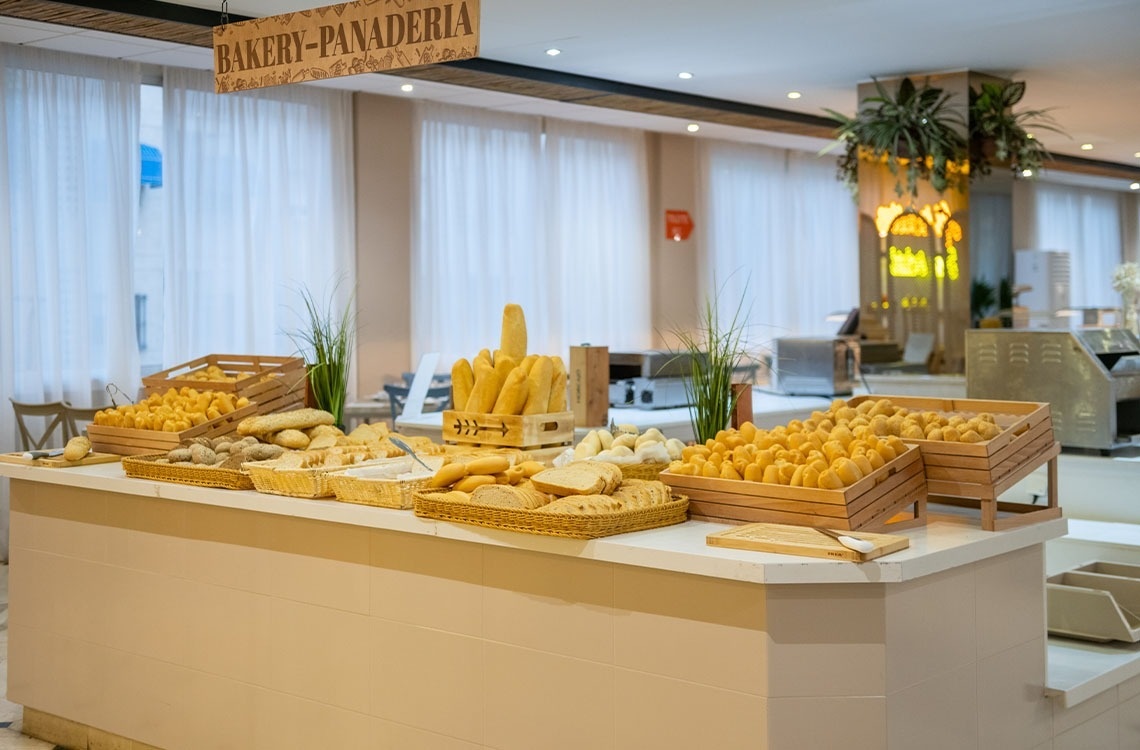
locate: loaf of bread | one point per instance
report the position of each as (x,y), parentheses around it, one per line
(486,388)
(557,400)
(507,496)
(512,341)
(579,478)
(298,419)
(541,379)
(513,397)
(462,381)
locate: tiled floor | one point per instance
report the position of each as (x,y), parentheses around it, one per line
(10,713)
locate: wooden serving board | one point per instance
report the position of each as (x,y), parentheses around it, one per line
(59,462)
(804,540)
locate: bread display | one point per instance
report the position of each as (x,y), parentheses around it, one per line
(226,452)
(509,382)
(628,446)
(172,411)
(830,450)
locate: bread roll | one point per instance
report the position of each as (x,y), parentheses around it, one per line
(76,448)
(486,388)
(512,398)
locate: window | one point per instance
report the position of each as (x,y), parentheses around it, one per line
(550,215)
(782,235)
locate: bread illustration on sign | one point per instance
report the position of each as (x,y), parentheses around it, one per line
(508,381)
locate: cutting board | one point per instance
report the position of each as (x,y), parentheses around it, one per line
(804,540)
(59,462)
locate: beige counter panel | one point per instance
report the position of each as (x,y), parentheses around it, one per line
(187,624)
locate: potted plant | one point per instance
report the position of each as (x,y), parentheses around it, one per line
(326,344)
(998,134)
(913,130)
(983,298)
(716,350)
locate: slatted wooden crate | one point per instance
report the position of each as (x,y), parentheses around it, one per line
(869,504)
(269,377)
(975,474)
(126,441)
(512,431)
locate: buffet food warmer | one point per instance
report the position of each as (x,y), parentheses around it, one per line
(1091,379)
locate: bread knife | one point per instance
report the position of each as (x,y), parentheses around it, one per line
(33,455)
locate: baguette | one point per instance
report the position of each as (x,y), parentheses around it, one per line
(513,339)
(512,398)
(485,390)
(540,380)
(462,381)
(557,401)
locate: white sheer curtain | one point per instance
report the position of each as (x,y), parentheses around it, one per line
(261,205)
(1087,223)
(69,190)
(597,236)
(781,235)
(476,228)
(556,222)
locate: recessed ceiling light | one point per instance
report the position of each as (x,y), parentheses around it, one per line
(692,127)
(1027,173)
(794,95)
(407,88)
(684,75)
(1137,154)
(1086,147)
(1030,136)
(554,52)
(1134,186)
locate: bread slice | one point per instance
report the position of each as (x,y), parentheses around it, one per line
(508,496)
(578,478)
(582,505)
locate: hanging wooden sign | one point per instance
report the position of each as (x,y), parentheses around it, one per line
(366,36)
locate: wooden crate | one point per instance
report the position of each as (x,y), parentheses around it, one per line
(272,376)
(512,431)
(869,504)
(126,441)
(975,474)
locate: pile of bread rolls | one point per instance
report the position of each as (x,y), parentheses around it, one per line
(509,381)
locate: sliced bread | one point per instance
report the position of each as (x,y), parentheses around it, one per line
(579,478)
(508,496)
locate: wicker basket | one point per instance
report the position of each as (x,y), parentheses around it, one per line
(144,467)
(650,471)
(308,483)
(381,493)
(435,505)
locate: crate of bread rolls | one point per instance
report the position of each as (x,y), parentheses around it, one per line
(161,422)
(973,449)
(275,383)
(810,473)
(509,398)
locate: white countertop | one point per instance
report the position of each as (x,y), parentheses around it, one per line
(1079,670)
(946,542)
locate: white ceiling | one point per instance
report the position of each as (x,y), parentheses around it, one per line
(1082,58)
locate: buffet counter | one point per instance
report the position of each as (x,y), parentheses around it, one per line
(189,618)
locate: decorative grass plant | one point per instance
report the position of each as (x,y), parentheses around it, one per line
(326,344)
(716,350)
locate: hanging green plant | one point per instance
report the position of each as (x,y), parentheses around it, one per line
(1000,135)
(913,130)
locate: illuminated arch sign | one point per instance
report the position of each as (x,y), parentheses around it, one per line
(366,36)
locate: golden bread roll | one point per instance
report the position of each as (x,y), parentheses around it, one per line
(472,482)
(76,448)
(488,465)
(448,475)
